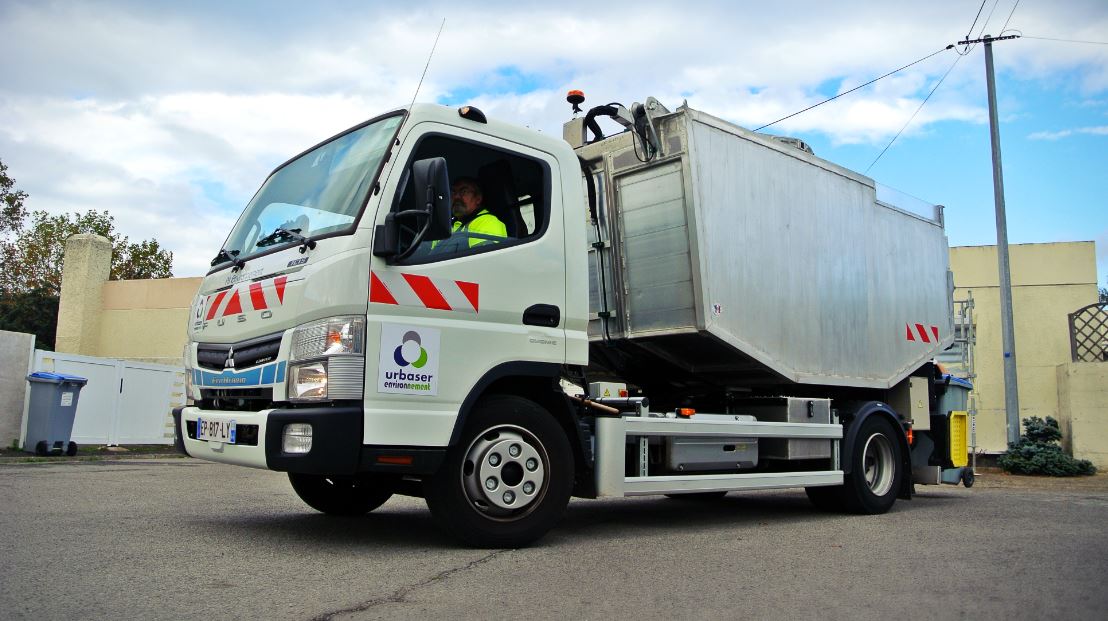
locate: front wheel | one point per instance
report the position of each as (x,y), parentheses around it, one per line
(509,479)
(340,495)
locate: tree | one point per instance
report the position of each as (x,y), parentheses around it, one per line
(12,211)
(32,246)
(35,254)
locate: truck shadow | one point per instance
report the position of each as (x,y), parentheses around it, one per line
(405,523)
(737,512)
(599,518)
(385,528)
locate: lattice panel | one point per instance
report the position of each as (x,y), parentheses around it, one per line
(1089,333)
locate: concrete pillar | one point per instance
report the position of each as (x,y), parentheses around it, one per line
(85,268)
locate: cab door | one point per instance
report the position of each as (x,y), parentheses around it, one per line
(449,315)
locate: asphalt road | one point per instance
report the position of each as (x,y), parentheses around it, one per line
(184,539)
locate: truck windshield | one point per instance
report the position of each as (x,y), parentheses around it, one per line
(317,193)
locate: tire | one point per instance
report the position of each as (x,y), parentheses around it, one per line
(41,448)
(349,496)
(515,446)
(698,496)
(71,450)
(968,477)
(876,469)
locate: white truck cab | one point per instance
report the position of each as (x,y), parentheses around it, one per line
(348,335)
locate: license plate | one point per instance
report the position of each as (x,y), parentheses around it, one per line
(215,430)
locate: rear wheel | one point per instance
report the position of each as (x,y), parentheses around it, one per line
(825,498)
(509,479)
(875,477)
(341,495)
(71,450)
(874,481)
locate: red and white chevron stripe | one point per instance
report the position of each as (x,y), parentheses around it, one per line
(230,302)
(921,330)
(423,292)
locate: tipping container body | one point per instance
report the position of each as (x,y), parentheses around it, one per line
(734,260)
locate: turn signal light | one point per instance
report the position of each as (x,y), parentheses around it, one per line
(685,412)
(911,437)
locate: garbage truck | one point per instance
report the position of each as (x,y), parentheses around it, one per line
(682,308)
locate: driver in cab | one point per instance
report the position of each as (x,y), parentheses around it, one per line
(471,220)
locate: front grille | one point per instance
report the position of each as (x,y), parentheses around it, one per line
(246,353)
(248,394)
(236,399)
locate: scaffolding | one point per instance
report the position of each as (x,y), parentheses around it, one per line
(958,360)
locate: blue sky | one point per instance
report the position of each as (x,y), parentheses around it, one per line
(170,115)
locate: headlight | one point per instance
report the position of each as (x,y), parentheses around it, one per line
(328,337)
(188,373)
(308,381)
(328,360)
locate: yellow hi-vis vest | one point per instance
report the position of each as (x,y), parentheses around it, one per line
(484,223)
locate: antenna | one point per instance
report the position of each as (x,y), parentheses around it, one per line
(433,46)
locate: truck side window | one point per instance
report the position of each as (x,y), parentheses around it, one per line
(514,199)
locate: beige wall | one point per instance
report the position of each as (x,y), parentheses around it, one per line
(1083,410)
(145,319)
(141,320)
(1049,281)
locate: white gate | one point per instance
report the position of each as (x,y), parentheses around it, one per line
(124,402)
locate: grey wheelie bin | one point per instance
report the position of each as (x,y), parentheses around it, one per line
(50,413)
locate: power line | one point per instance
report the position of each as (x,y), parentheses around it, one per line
(987,19)
(970,31)
(855,88)
(1013,11)
(1066,40)
(910,119)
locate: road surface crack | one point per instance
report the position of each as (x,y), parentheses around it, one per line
(400,595)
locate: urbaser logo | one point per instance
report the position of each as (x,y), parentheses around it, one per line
(410,351)
(409,360)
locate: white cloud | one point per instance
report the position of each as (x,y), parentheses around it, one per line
(1050,135)
(1101,130)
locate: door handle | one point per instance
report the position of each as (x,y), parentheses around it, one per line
(545,315)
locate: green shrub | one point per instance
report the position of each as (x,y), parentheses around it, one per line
(1037,452)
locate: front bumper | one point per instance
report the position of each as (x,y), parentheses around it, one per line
(336,442)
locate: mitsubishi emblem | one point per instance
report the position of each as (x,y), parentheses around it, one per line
(230,363)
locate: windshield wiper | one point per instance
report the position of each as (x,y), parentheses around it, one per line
(223,255)
(281,234)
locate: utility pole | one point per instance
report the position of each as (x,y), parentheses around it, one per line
(1011,386)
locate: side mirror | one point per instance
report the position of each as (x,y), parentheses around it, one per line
(430,216)
(432,186)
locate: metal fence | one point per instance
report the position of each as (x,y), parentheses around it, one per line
(1089,333)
